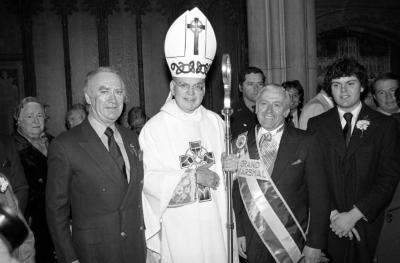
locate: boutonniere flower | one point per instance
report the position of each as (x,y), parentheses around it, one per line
(3,184)
(362,125)
(133,150)
(137,152)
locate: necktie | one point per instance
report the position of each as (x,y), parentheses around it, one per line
(268,151)
(115,152)
(253,108)
(347,128)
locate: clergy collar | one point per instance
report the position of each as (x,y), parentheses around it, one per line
(173,109)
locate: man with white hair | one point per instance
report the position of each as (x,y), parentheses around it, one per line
(95,178)
(283,197)
(184,197)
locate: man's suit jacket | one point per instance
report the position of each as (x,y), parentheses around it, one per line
(363,175)
(107,218)
(299,176)
(11,167)
(389,241)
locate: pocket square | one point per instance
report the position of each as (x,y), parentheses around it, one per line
(298,161)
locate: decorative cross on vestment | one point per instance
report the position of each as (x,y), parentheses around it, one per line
(196,27)
(195,157)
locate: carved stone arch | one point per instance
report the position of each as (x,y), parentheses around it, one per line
(372,24)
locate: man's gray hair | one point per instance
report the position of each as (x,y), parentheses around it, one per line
(92,73)
(275,88)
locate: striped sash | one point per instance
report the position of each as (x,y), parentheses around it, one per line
(269,213)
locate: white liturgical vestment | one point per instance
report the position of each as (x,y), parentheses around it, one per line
(180,228)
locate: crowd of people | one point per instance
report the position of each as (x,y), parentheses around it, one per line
(312,183)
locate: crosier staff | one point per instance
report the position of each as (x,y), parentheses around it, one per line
(227,112)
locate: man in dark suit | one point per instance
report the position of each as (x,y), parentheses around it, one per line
(282,167)
(95,179)
(11,166)
(389,241)
(361,160)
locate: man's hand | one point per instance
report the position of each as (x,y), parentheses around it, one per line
(354,234)
(241,242)
(343,223)
(313,255)
(75,261)
(206,177)
(229,162)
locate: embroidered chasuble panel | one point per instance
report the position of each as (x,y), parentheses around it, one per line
(187,190)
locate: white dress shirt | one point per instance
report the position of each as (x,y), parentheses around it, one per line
(355,112)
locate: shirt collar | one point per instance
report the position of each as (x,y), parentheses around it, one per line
(384,112)
(354,112)
(294,114)
(278,130)
(99,127)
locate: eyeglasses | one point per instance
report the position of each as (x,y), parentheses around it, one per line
(197,87)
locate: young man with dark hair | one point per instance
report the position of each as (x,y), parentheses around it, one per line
(362,163)
(251,80)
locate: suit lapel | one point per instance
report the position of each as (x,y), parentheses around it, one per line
(358,136)
(287,148)
(133,151)
(95,148)
(252,143)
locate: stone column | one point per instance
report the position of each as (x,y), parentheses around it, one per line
(282,41)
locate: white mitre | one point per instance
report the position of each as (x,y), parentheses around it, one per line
(190,45)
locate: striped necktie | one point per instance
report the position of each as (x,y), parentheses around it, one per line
(268,150)
(115,152)
(347,128)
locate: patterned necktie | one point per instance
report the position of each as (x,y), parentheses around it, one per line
(268,151)
(347,128)
(115,152)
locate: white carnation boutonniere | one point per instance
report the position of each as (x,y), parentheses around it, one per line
(362,125)
(3,184)
(133,150)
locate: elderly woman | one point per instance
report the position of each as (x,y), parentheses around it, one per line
(32,142)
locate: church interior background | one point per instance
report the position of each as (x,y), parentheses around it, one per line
(48,46)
